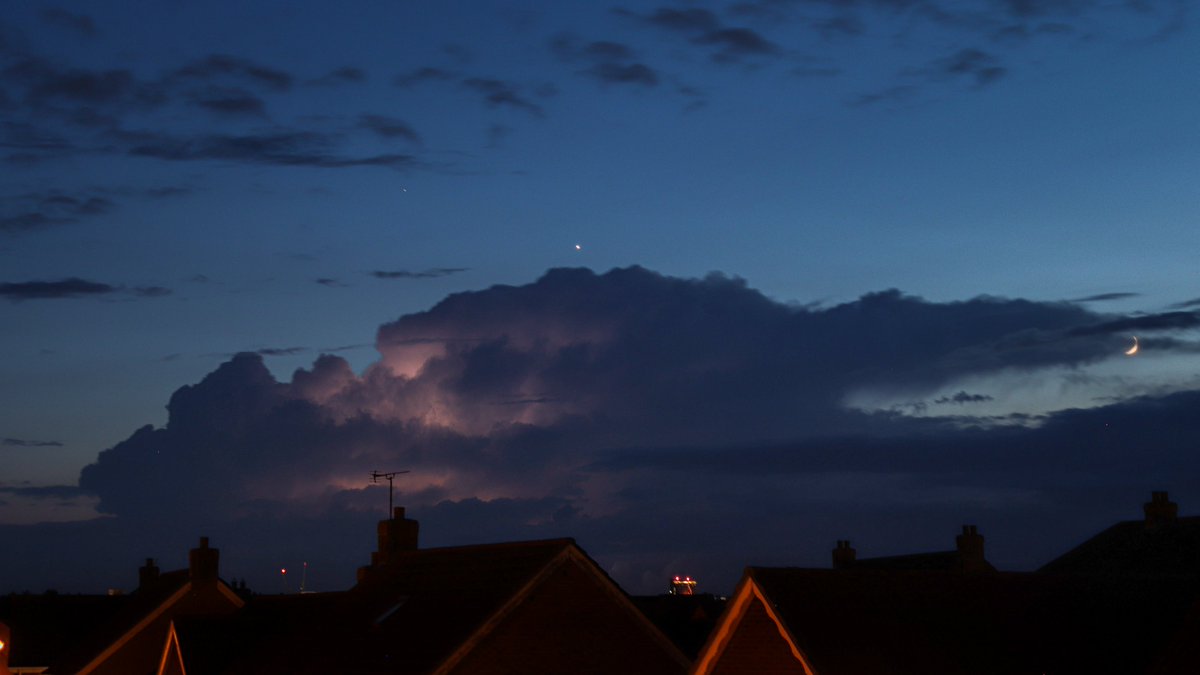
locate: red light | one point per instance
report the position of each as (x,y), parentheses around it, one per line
(283,571)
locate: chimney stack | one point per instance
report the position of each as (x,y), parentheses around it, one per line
(1160,510)
(397,535)
(147,574)
(970,549)
(203,562)
(843,555)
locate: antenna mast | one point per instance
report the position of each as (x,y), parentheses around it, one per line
(389,475)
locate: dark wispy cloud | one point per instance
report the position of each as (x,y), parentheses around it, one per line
(229,101)
(1105,297)
(80,24)
(734,44)
(424,74)
(388,127)
(962,397)
(343,75)
(73,287)
(40,210)
(502,94)
(330,282)
(971,63)
(46,491)
(280,351)
(26,443)
(724,43)
(1187,304)
(1149,322)
(284,148)
(43,83)
(606,61)
(431,273)
(690,20)
(218,66)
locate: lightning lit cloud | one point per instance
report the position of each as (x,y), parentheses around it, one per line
(582,400)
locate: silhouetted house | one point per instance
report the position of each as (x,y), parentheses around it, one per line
(130,642)
(45,626)
(686,619)
(967,556)
(522,607)
(951,613)
(1161,544)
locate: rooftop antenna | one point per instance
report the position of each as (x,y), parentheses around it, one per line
(389,475)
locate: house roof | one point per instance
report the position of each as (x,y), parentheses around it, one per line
(1135,548)
(685,619)
(937,560)
(45,626)
(422,612)
(843,622)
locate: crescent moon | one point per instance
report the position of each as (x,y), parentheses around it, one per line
(1134,349)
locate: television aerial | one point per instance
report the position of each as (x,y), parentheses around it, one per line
(389,475)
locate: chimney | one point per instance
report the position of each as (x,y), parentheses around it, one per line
(970,548)
(397,535)
(843,555)
(147,574)
(202,562)
(1160,510)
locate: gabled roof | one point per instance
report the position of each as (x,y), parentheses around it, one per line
(148,606)
(435,611)
(45,626)
(1133,548)
(846,622)
(937,560)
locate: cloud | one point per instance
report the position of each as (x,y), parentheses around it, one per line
(282,148)
(648,416)
(431,273)
(229,102)
(733,44)
(218,66)
(280,351)
(73,287)
(1148,322)
(683,20)
(1105,297)
(972,63)
(80,24)
(388,127)
(339,76)
(34,211)
(728,43)
(24,443)
(963,397)
(66,288)
(420,75)
(498,93)
(610,62)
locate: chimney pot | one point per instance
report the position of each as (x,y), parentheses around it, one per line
(970,548)
(147,574)
(1160,510)
(203,562)
(843,555)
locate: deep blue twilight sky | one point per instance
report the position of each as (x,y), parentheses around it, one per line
(702,284)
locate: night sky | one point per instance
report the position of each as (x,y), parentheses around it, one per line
(703,285)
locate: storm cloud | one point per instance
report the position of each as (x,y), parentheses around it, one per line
(581,403)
